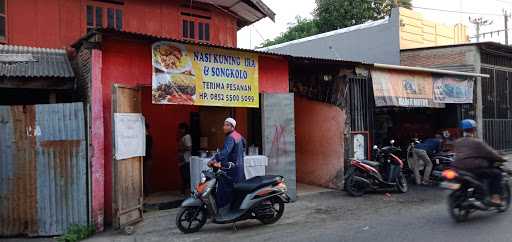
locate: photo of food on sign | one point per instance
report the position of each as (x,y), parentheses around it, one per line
(173,75)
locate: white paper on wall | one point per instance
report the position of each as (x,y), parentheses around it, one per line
(130,135)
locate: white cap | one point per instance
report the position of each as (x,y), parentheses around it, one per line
(231,121)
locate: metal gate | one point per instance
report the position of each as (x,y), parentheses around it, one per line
(278,121)
(43,169)
(497,103)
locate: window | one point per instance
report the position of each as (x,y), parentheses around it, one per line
(99,17)
(196,28)
(119,19)
(110,18)
(3,21)
(203,31)
(188,30)
(95,16)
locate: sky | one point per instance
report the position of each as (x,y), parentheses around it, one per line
(287,10)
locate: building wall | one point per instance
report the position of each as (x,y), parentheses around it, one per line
(416,31)
(273,75)
(460,58)
(59,23)
(129,63)
(373,44)
(319,131)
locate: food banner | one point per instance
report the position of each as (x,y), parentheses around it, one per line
(200,75)
(449,89)
(403,89)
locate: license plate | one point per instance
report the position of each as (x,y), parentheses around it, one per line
(450,185)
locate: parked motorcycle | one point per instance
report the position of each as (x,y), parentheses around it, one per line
(382,174)
(440,161)
(470,194)
(261,198)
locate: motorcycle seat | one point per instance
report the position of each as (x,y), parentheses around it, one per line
(371,163)
(256,183)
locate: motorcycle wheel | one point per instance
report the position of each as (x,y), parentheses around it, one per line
(278,208)
(354,188)
(456,212)
(191,219)
(401,184)
(506,198)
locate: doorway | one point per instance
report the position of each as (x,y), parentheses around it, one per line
(167,188)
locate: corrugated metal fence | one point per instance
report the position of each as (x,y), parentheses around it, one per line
(42,169)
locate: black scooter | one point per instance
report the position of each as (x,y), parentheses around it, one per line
(470,194)
(385,173)
(261,198)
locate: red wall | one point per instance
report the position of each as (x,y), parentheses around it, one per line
(273,74)
(129,63)
(319,130)
(59,23)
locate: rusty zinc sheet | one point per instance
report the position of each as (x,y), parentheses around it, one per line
(42,169)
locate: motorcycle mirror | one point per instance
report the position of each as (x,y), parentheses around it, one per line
(392,142)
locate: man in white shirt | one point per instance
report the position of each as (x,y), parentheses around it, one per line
(184,153)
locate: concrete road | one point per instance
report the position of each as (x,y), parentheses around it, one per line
(419,215)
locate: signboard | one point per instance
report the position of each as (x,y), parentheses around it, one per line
(130,135)
(404,89)
(200,75)
(360,145)
(449,89)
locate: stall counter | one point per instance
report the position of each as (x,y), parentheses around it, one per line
(254,166)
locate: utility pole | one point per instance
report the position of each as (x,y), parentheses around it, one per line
(479,22)
(506,16)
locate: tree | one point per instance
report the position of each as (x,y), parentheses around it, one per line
(301,28)
(335,14)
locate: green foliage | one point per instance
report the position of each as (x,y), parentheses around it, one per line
(335,14)
(301,28)
(76,233)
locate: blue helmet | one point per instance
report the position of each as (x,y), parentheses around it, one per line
(467,124)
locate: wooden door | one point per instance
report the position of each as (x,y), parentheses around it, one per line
(127,173)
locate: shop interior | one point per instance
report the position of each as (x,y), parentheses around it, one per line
(404,124)
(205,127)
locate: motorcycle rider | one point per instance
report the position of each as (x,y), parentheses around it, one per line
(232,154)
(475,156)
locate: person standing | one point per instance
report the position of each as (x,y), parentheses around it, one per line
(184,154)
(420,153)
(231,158)
(147,162)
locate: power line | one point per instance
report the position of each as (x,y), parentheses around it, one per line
(458,12)
(503,1)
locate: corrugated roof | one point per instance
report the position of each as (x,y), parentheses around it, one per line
(149,37)
(24,61)
(328,34)
(248,11)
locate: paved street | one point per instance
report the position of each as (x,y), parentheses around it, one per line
(419,215)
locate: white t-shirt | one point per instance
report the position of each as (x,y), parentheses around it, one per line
(186,141)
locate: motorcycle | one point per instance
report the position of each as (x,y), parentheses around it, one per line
(260,197)
(385,173)
(440,161)
(470,194)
